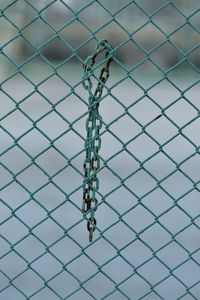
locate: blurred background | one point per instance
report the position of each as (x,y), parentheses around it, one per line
(58,33)
(146,245)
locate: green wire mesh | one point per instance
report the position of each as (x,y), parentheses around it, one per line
(146,241)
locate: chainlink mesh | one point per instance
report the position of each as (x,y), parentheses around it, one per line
(146,241)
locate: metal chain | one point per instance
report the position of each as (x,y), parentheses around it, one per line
(93,125)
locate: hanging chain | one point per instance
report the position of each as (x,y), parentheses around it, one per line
(93,126)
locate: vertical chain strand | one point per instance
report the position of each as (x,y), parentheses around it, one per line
(93,141)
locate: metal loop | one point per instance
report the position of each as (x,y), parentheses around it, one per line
(94,223)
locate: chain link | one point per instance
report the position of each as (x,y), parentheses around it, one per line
(93,125)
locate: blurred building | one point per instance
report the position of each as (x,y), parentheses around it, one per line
(59,31)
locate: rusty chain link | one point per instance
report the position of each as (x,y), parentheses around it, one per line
(93,125)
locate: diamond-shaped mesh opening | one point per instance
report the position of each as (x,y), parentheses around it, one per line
(172,56)
(56,49)
(169,18)
(134,153)
(17,94)
(169,91)
(124,16)
(29,106)
(30,32)
(75,34)
(192,79)
(56,284)
(142,37)
(12,10)
(194,20)
(7,27)
(31,280)
(137,54)
(192,58)
(186,9)
(190,42)
(15,159)
(95,21)
(186,112)
(58,14)
(23,50)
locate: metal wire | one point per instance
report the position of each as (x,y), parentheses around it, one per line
(16,230)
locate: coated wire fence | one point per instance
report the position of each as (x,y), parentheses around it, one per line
(99,130)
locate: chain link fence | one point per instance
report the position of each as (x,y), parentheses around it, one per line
(99,130)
